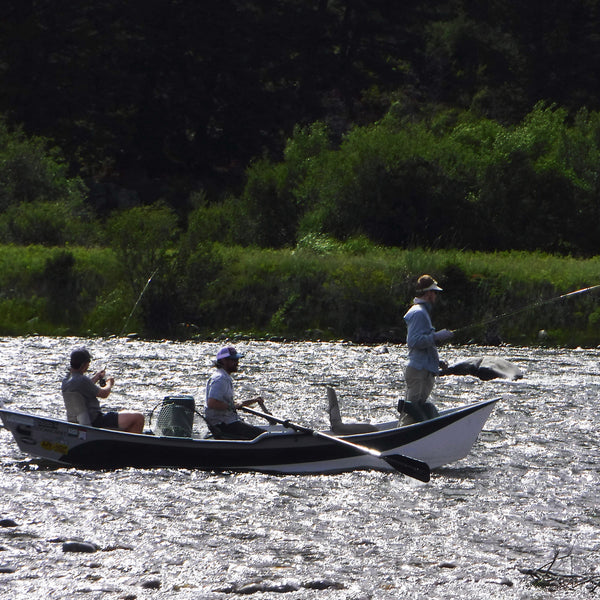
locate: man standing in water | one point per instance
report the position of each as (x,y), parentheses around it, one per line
(220,413)
(423,358)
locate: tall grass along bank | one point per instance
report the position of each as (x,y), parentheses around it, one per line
(319,290)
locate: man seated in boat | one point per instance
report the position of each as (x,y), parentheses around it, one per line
(81,394)
(221,411)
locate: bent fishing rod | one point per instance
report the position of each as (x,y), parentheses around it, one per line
(102,380)
(524,308)
(137,302)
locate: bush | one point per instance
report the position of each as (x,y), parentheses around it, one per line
(47,223)
(62,287)
(219,222)
(142,238)
(39,202)
(32,170)
(385,184)
(272,200)
(457,180)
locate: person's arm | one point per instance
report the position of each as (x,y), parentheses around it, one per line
(98,375)
(104,392)
(443,335)
(103,386)
(257,400)
(215,404)
(420,332)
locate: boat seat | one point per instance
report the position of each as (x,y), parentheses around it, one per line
(335,418)
(76,408)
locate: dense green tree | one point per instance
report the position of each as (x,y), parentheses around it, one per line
(32,169)
(459,180)
(168,97)
(138,91)
(39,202)
(142,237)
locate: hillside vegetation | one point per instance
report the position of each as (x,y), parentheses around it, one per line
(290,172)
(322,290)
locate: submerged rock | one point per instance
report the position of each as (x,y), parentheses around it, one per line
(7,523)
(7,569)
(254,587)
(323,584)
(74,546)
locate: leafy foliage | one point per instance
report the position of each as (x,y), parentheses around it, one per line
(142,237)
(39,202)
(31,170)
(324,132)
(458,181)
(165,88)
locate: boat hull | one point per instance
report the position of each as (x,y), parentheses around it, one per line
(439,441)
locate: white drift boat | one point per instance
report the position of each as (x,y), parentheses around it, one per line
(282,448)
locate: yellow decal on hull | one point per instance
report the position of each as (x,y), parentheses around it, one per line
(54,447)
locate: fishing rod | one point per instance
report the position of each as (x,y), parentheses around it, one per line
(524,308)
(137,302)
(102,381)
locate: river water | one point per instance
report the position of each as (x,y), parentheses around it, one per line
(528,489)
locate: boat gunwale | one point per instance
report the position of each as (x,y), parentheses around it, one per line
(384,429)
(298,448)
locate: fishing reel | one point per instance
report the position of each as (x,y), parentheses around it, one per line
(102,379)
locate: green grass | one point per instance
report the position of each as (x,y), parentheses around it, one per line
(323,289)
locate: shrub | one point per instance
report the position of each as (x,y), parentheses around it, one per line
(142,237)
(48,223)
(39,202)
(383,183)
(32,170)
(272,198)
(62,287)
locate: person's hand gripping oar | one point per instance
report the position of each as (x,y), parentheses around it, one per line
(258,400)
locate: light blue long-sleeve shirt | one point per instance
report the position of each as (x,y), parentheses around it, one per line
(422,351)
(220,387)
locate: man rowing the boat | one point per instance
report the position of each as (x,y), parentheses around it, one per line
(423,358)
(81,394)
(221,411)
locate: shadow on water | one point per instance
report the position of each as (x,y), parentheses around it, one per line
(459,472)
(37,464)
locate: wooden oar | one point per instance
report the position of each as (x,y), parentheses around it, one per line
(405,464)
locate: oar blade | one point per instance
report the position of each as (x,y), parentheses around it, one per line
(409,466)
(404,464)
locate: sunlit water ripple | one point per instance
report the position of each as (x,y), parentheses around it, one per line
(528,488)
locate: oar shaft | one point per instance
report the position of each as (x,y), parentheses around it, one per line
(405,464)
(314,432)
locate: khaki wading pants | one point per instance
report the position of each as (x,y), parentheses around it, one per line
(419,385)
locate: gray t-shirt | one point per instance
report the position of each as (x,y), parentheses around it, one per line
(220,387)
(77,382)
